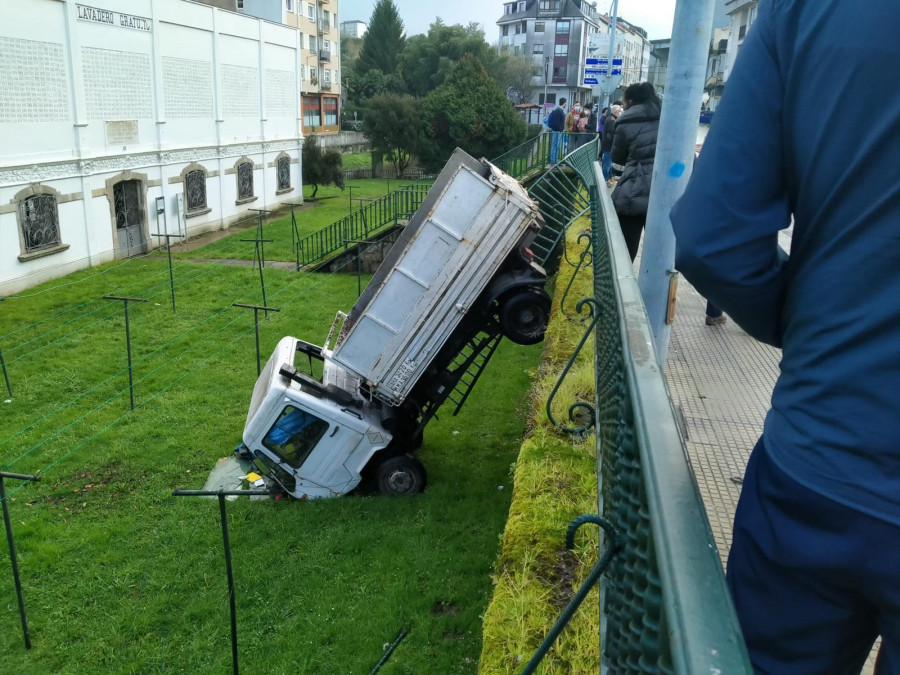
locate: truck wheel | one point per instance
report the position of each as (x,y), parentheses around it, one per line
(400,475)
(525,315)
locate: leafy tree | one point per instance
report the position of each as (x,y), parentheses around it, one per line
(321,166)
(470,111)
(518,77)
(392,127)
(427,59)
(384,39)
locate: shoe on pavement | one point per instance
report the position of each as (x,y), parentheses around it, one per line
(715,320)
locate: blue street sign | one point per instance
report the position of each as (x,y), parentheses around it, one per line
(591,80)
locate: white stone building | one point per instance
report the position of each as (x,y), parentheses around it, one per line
(742,14)
(109,106)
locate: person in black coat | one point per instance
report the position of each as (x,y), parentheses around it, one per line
(633,150)
(606,138)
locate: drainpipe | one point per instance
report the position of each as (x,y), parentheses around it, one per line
(673,163)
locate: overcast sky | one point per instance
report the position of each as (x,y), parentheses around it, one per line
(654,16)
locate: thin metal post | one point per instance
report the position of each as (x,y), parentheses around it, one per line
(256,309)
(169,252)
(295,234)
(5,374)
(259,232)
(231,603)
(12,549)
(674,160)
(612,52)
(257,255)
(227,545)
(127,339)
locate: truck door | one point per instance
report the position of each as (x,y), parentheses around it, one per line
(311,449)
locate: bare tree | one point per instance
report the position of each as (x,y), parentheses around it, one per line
(520,72)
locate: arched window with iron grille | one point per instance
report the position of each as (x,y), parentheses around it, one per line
(195,190)
(245,180)
(283,167)
(40,222)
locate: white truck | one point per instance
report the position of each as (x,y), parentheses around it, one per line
(459,278)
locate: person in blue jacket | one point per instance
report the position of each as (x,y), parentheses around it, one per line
(557,123)
(814,567)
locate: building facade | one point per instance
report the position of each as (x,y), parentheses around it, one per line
(113,111)
(554,33)
(320,53)
(355,29)
(742,14)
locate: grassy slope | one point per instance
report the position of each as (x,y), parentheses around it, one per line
(555,481)
(357,160)
(120,577)
(331,204)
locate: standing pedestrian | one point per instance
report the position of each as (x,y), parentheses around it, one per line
(606,139)
(814,567)
(634,148)
(556,121)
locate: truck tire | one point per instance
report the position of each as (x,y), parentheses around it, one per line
(525,315)
(400,475)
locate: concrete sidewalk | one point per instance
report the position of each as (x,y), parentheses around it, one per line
(721,381)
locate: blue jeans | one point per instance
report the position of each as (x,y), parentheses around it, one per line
(814,581)
(606,165)
(554,146)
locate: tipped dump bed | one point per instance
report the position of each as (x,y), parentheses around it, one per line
(473,218)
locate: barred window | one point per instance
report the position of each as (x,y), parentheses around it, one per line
(284,173)
(40,222)
(245,180)
(195,190)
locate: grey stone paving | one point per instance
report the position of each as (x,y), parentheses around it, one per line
(721,380)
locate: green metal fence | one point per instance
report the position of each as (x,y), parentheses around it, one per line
(533,156)
(664,603)
(361,224)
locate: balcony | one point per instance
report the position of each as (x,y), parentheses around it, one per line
(324,55)
(326,86)
(715,80)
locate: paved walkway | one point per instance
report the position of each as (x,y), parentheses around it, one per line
(721,381)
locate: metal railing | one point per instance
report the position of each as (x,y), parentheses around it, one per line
(535,154)
(665,606)
(361,224)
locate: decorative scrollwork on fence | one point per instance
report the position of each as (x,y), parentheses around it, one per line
(594,314)
(584,260)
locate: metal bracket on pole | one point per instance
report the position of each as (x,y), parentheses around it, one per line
(127,339)
(259,254)
(256,309)
(12,548)
(227,545)
(169,253)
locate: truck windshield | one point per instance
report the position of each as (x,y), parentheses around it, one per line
(294,435)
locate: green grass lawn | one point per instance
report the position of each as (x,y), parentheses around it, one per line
(357,160)
(331,204)
(121,577)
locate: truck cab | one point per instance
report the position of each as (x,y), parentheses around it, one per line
(315,440)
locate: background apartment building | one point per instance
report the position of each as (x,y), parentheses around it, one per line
(354,29)
(555,34)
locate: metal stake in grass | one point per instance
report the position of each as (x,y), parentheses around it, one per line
(169,253)
(224,518)
(127,339)
(256,309)
(259,229)
(5,374)
(295,234)
(259,255)
(12,548)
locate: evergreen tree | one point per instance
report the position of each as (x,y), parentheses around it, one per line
(383,41)
(471,111)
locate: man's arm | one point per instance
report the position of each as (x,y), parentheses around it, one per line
(727,223)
